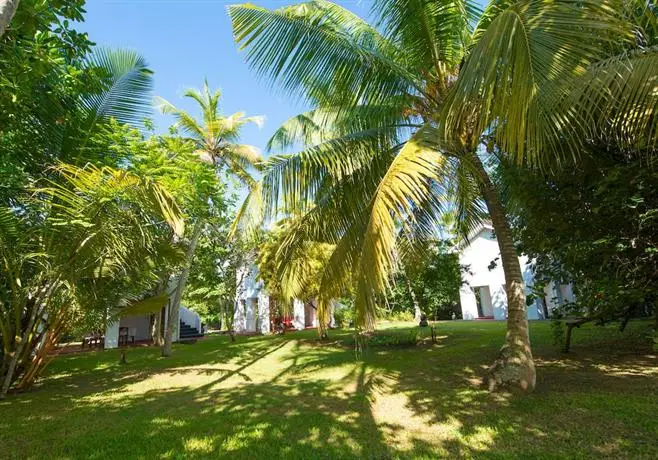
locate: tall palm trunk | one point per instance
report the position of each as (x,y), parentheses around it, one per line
(7,10)
(417,311)
(515,365)
(174,308)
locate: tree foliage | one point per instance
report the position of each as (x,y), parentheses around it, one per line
(594,226)
(457,75)
(435,277)
(400,110)
(85,242)
(81,234)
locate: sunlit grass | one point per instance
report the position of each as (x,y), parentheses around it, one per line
(293,396)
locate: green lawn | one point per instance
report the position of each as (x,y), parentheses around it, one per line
(291,397)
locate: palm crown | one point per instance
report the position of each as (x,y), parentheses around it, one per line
(216,135)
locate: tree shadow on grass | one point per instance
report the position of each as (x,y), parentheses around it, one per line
(288,397)
(292,419)
(588,406)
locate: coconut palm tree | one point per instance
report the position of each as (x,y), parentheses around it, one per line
(408,114)
(215,137)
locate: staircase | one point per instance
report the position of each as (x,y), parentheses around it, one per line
(188,332)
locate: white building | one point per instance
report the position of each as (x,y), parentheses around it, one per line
(139,328)
(482,296)
(252,307)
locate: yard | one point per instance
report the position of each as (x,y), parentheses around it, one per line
(290,396)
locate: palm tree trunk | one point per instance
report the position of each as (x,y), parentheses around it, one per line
(174,309)
(417,311)
(515,365)
(7,10)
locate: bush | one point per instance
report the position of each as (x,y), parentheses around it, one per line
(344,316)
(394,339)
(557,331)
(400,316)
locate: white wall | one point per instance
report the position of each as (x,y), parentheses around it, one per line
(112,335)
(252,310)
(263,313)
(137,325)
(298,317)
(478,256)
(240,316)
(249,305)
(190,318)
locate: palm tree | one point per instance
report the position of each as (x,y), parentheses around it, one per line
(408,115)
(87,225)
(97,227)
(215,137)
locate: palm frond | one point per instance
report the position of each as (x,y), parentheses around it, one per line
(322,124)
(183,119)
(520,71)
(337,47)
(296,178)
(406,184)
(619,99)
(433,34)
(250,214)
(127,94)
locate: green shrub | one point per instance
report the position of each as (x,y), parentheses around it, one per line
(344,316)
(400,316)
(557,331)
(400,339)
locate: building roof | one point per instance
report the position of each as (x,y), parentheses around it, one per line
(474,233)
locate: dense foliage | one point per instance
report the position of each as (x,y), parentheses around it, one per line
(80,248)
(92,206)
(289,275)
(435,277)
(596,226)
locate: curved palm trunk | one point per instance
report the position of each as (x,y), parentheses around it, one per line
(174,309)
(7,10)
(515,365)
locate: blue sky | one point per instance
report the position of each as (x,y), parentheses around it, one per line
(185,41)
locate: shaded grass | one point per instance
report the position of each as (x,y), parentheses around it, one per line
(292,396)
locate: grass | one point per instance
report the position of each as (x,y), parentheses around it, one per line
(293,397)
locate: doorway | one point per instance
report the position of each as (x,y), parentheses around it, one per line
(483,301)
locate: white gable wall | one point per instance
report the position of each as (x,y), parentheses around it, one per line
(478,256)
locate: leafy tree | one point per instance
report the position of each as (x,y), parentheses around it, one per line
(94,227)
(214,137)
(429,283)
(595,226)
(294,275)
(77,242)
(42,75)
(211,285)
(401,111)
(171,161)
